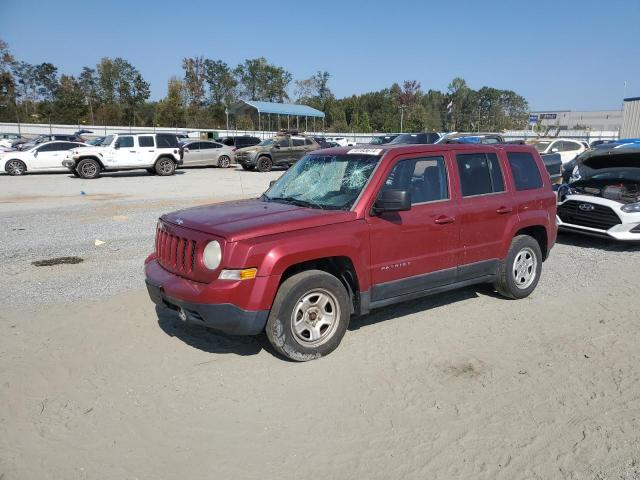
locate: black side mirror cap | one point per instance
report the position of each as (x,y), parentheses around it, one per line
(272,183)
(393,201)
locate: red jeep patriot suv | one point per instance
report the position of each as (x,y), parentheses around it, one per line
(347,230)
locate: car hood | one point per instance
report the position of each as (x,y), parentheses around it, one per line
(253,148)
(244,219)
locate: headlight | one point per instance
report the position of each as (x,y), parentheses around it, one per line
(631,208)
(212,255)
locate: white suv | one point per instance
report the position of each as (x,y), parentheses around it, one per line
(158,153)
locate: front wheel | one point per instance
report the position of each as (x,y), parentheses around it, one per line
(519,272)
(88,168)
(264,164)
(224,161)
(165,167)
(16,167)
(309,316)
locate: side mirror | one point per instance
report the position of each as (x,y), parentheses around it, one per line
(272,183)
(116,145)
(555,150)
(185,149)
(35,154)
(277,147)
(393,201)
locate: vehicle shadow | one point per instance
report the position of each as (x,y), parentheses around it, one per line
(215,342)
(127,174)
(585,241)
(205,339)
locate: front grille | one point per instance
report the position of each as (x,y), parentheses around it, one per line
(175,253)
(601,217)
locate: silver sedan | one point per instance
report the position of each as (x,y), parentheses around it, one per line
(203,153)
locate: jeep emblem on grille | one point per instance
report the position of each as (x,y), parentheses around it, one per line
(586,207)
(179,221)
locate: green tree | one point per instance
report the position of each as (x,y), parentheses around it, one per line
(69,104)
(260,80)
(171,109)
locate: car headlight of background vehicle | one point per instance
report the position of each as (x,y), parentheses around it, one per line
(631,208)
(212,255)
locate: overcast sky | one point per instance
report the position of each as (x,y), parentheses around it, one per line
(559,55)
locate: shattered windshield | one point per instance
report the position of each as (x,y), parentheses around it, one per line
(331,182)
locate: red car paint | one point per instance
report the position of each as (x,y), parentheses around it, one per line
(429,237)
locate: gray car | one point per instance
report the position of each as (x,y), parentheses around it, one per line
(203,153)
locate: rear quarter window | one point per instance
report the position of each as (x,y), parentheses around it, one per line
(524,169)
(167,141)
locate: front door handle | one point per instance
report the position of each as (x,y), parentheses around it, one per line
(132,151)
(444,219)
(503,210)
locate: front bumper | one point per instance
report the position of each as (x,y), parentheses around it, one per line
(625,229)
(225,306)
(246,159)
(223,317)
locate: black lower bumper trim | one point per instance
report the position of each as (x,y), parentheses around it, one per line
(223,317)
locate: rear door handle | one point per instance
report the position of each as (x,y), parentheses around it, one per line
(503,210)
(132,151)
(444,219)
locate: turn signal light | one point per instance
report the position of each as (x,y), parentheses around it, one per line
(245,274)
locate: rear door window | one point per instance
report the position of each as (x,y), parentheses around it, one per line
(298,142)
(146,141)
(480,174)
(524,168)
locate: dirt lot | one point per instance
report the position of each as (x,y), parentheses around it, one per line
(95,383)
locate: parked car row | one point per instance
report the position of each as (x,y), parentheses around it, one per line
(156,153)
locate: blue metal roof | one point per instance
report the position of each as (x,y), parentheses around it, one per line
(280,108)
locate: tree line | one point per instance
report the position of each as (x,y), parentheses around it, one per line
(114,92)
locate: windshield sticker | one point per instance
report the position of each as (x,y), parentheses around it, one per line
(365,151)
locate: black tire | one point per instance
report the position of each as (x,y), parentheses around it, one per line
(75,173)
(151,171)
(248,167)
(224,161)
(264,164)
(519,272)
(88,168)
(16,168)
(165,167)
(287,335)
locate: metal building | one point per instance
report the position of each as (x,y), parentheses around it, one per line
(568,119)
(631,118)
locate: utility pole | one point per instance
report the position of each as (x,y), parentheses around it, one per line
(402,107)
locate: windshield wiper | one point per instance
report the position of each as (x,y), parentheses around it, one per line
(298,201)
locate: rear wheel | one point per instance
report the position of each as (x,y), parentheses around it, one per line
(265,164)
(165,167)
(224,161)
(16,167)
(519,272)
(309,316)
(88,168)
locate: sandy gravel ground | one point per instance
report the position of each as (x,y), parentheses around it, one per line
(462,385)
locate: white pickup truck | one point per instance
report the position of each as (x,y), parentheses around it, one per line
(158,153)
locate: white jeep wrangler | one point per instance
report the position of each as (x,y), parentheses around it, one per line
(158,153)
